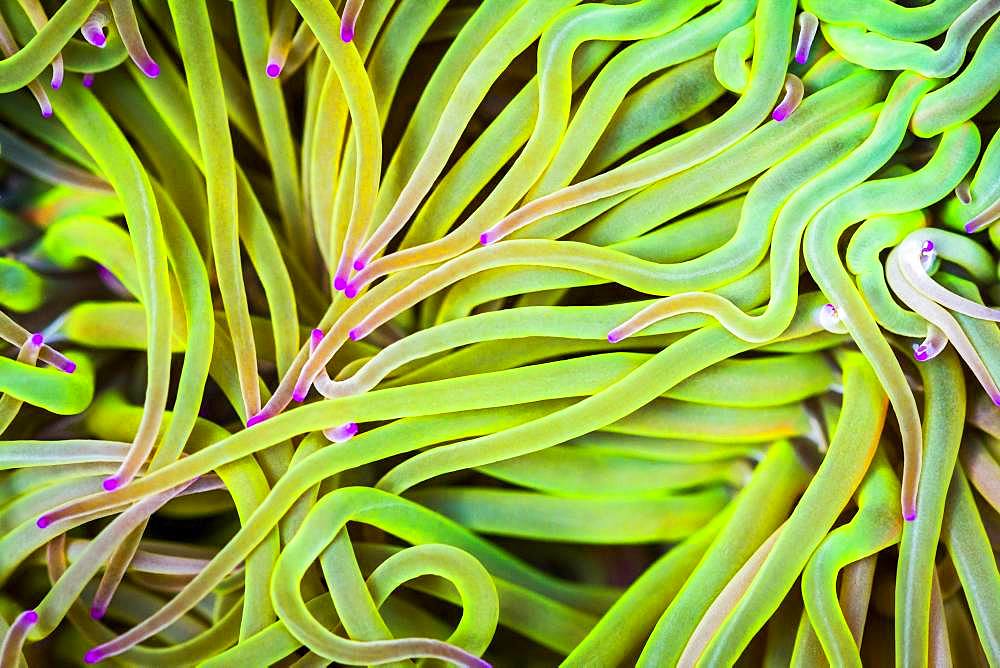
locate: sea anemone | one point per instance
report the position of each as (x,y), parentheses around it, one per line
(500,332)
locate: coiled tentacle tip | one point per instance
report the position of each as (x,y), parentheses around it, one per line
(97,612)
(111,484)
(359,264)
(88,80)
(920,353)
(273,70)
(95,36)
(794,91)
(93,656)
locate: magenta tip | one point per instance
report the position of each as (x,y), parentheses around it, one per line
(273,70)
(351,428)
(354,334)
(46,113)
(346,33)
(484,238)
(97,38)
(97,612)
(29,617)
(995,398)
(299,397)
(801,57)
(969,227)
(88,80)
(339,283)
(43,522)
(56,84)
(69,366)
(256,419)
(359,264)
(927,247)
(37,339)
(151,69)
(317,335)
(93,656)
(350,291)
(613,337)
(111,484)
(779,114)
(910,516)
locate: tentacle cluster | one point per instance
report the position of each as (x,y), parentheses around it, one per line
(508,332)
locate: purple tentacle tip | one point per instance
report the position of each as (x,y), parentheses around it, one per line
(46,113)
(256,419)
(97,612)
(971,228)
(346,33)
(273,70)
(910,516)
(37,339)
(151,69)
(69,366)
(995,398)
(93,656)
(339,283)
(927,247)
(111,484)
(920,354)
(779,114)
(614,337)
(96,37)
(317,336)
(56,84)
(350,291)
(88,80)
(801,57)
(29,617)
(354,334)
(299,397)
(484,238)
(43,522)
(359,264)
